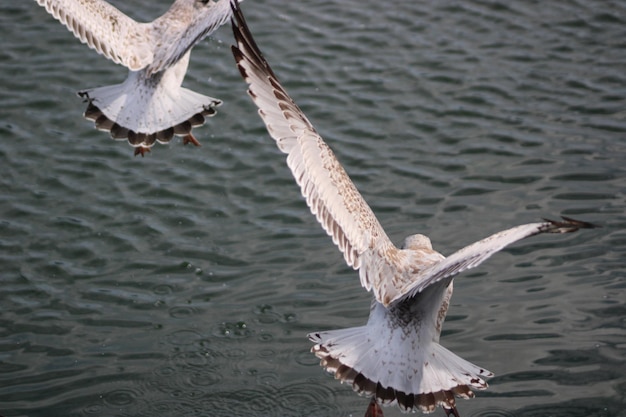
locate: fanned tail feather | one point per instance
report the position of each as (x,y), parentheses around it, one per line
(414,378)
(134,138)
(145,108)
(144,122)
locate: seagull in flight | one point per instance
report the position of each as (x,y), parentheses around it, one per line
(150,105)
(396,358)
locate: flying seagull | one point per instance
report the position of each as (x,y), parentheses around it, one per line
(150,106)
(396,357)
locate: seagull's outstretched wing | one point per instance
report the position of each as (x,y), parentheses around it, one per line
(105,29)
(191,27)
(476,253)
(328,190)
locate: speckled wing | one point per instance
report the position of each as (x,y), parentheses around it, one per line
(328,190)
(476,253)
(183,30)
(105,29)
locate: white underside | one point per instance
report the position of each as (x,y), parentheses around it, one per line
(406,358)
(149,104)
(385,356)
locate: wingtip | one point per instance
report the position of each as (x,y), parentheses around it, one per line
(581,224)
(237,18)
(568,225)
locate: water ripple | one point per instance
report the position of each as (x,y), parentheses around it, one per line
(494,412)
(184,283)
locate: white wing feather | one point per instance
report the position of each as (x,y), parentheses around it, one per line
(155,46)
(476,253)
(329,192)
(392,274)
(183,26)
(105,29)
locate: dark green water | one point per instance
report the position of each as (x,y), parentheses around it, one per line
(184,283)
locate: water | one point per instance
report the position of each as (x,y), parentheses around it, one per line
(184,283)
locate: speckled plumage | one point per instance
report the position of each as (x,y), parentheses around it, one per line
(150,106)
(396,357)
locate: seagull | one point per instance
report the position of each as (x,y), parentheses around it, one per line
(150,105)
(396,358)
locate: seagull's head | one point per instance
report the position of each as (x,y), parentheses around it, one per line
(417,241)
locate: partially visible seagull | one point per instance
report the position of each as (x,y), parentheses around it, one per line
(396,357)
(150,106)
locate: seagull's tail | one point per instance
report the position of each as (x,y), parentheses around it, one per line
(382,362)
(146,110)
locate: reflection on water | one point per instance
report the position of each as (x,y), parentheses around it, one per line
(184,283)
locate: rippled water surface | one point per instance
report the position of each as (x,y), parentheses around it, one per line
(184,283)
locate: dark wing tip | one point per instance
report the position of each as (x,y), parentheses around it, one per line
(246,48)
(239,56)
(568,225)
